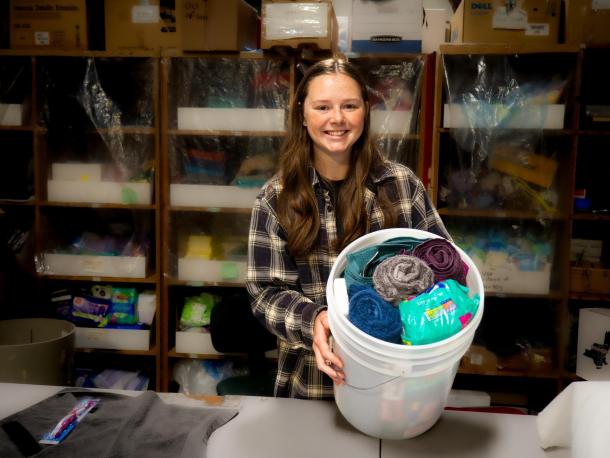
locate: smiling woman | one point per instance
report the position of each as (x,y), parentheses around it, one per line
(332,187)
(334,113)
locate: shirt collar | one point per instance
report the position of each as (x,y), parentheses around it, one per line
(378,174)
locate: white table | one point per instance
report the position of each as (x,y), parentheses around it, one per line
(274,427)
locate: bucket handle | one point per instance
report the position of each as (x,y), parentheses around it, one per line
(358,388)
(404,370)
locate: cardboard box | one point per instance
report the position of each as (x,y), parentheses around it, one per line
(587,22)
(388,26)
(132,26)
(218,25)
(48,24)
(593,344)
(296,24)
(479,359)
(533,168)
(530,22)
(584,280)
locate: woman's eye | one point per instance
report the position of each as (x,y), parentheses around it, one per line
(322,107)
(351,106)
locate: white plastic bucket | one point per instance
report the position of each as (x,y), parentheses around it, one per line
(393,391)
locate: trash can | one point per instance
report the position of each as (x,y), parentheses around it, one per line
(36,350)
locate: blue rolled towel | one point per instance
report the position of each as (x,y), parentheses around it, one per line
(373,315)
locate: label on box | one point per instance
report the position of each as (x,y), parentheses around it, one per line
(42,38)
(284,21)
(145,14)
(600,4)
(539,30)
(515,19)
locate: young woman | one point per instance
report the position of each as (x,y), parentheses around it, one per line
(332,187)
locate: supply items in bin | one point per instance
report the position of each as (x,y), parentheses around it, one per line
(104,306)
(114,379)
(197,378)
(402,276)
(197,310)
(372,314)
(419,277)
(516,259)
(439,312)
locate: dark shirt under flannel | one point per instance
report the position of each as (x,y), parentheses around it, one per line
(287,293)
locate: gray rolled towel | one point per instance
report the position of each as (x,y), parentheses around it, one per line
(401,276)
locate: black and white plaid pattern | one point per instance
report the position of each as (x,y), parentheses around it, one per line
(287,293)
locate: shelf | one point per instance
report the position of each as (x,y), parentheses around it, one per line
(150,352)
(501,373)
(126,130)
(497,213)
(13,202)
(593,132)
(241,211)
(225,133)
(47,203)
(174,354)
(199,284)
(590,297)
(553,295)
(16,129)
(548,132)
(590,217)
(151,279)
(32,52)
(459,48)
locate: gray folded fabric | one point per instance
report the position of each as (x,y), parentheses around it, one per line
(122,426)
(401,276)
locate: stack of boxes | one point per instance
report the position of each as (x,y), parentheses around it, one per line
(330,25)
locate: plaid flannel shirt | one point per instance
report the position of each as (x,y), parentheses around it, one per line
(287,293)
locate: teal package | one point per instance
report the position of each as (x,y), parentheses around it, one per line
(123,308)
(438,313)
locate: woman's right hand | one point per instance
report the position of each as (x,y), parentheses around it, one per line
(326,360)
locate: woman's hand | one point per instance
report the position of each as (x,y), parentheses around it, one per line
(327,361)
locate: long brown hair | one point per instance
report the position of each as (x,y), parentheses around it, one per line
(297,206)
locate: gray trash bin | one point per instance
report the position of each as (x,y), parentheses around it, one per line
(36,350)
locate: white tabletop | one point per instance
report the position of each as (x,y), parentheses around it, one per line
(274,427)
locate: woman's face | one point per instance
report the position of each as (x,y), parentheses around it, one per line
(334,113)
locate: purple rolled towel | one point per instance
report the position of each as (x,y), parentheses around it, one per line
(443,259)
(401,276)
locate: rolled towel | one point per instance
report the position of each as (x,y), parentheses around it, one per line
(362,263)
(371,314)
(401,276)
(443,259)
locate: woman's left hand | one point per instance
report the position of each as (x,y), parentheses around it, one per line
(327,361)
